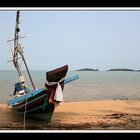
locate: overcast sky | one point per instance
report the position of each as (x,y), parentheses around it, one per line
(81,39)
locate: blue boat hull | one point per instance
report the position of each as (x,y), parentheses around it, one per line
(36,101)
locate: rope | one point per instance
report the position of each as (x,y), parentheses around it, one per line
(24,123)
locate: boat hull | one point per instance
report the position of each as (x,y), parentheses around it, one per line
(35,104)
(36,107)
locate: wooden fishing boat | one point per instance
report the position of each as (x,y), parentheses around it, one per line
(35,102)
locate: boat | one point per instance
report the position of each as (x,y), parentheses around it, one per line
(36,102)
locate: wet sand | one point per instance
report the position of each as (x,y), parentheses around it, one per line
(88,115)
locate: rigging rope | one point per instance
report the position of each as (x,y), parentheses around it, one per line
(24,121)
(24,124)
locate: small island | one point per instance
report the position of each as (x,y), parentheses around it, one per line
(122,69)
(87,69)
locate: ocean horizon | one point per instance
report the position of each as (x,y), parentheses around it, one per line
(91,85)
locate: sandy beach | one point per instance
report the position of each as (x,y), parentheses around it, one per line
(88,115)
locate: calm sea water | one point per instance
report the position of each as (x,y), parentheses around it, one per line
(90,85)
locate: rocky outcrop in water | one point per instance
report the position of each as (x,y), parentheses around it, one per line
(123,69)
(88,69)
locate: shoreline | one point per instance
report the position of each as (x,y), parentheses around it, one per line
(116,114)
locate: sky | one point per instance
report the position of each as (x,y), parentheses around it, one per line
(80,39)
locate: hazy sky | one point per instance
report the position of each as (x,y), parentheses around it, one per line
(81,39)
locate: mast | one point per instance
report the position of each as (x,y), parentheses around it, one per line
(15,55)
(18,50)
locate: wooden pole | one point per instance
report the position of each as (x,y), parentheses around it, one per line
(28,72)
(17,50)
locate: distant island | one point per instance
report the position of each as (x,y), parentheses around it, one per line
(116,69)
(123,70)
(87,69)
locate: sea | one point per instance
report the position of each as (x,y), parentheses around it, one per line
(91,85)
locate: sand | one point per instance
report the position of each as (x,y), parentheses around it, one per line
(88,115)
